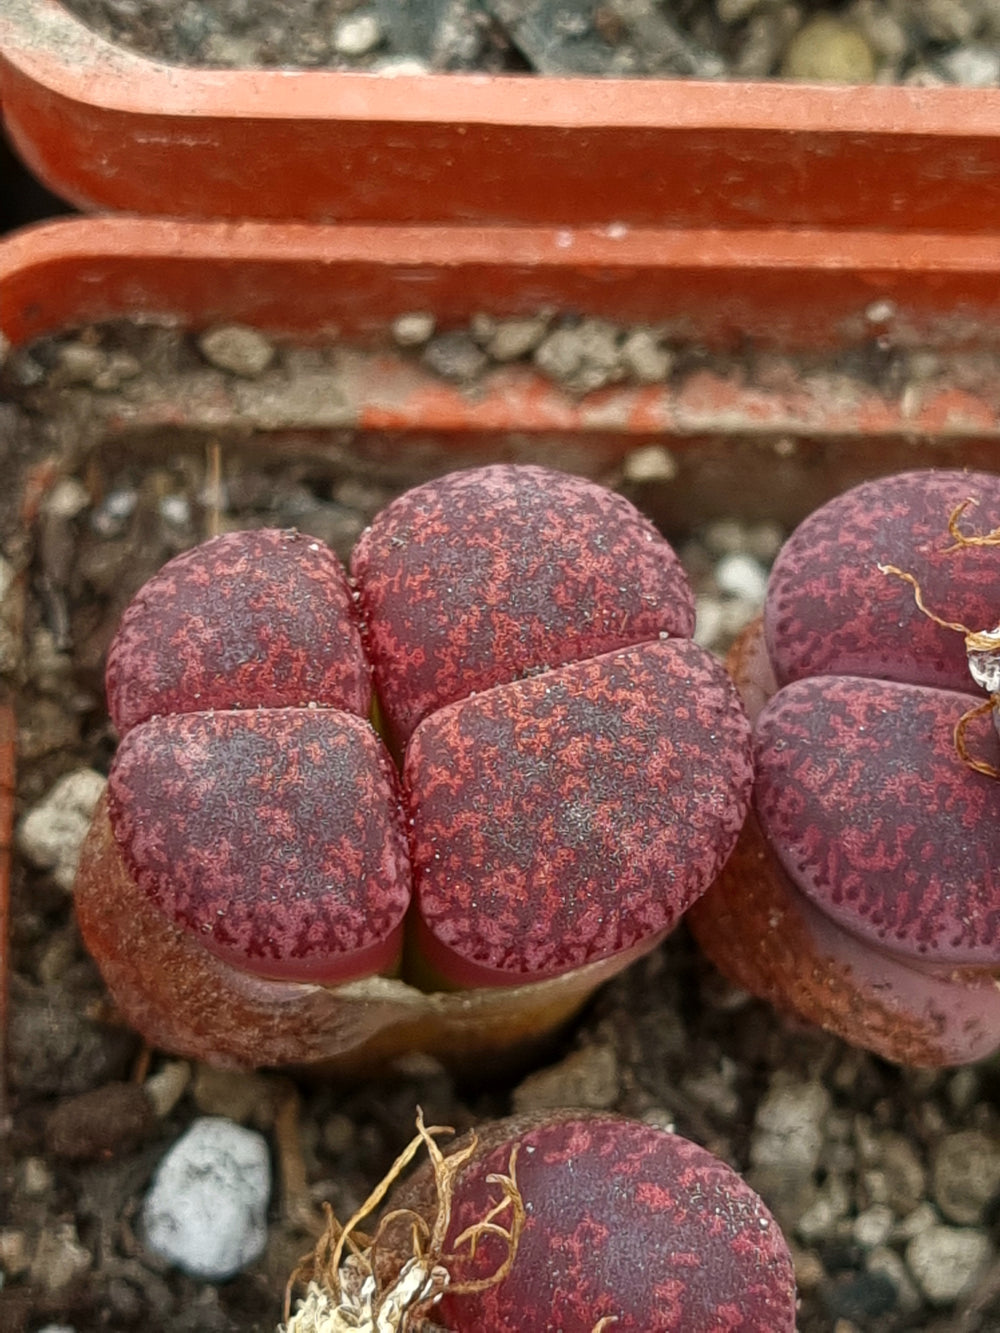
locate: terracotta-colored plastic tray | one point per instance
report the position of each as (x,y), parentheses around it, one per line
(110,130)
(782,404)
(743,443)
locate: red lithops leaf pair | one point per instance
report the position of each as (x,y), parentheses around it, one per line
(625,1227)
(865,890)
(573,775)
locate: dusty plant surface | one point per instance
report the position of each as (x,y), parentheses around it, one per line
(886,1181)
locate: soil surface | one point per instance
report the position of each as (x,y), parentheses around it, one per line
(924,42)
(886,1181)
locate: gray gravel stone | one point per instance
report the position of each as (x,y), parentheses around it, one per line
(651,463)
(234,1095)
(785,1149)
(946,1262)
(873,1226)
(902,1171)
(413,329)
(971,66)
(240,350)
(10,637)
(206,1211)
(788,1125)
(832,1202)
(167,1086)
(357,34)
(581,357)
(742,576)
(59,1257)
(588,1077)
(455,356)
(886,1261)
(511,339)
(644,356)
(51,834)
(965,1175)
(80,363)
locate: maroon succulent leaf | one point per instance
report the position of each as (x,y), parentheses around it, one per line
(485,576)
(624,1221)
(259,619)
(275,836)
(872,812)
(830,609)
(574,815)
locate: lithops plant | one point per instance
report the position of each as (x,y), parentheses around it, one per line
(864,894)
(263,884)
(596,1222)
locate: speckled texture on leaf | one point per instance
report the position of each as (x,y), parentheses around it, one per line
(766,937)
(870,809)
(563,818)
(259,619)
(274,835)
(484,576)
(184,999)
(623,1220)
(831,611)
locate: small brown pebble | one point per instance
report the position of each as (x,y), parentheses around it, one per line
(98,1124)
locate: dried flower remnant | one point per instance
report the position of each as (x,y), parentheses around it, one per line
(354,1287)
(982,647)
(864,893)
(626,1228)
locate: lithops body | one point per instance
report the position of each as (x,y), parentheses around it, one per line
(574,771)
(865,891)
(623,1223)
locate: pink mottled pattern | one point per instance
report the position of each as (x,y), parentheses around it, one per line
(627,1221)
(830,611)
(869,808)
(488,575)
(561,819)
(275,836)
(248,620)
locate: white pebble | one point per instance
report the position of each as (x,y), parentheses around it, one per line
(206,1211)
(874,1226)
(788,1126)
(650,463)
(413,330)
(167,1086)
(357,35)
(238,349)
(67,498)
(708,618)
(742,576)
(51,834)
(972,66)
(947,1261)
(645,357)
(175,509)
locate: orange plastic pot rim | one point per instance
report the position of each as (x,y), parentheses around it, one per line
(786,292)
(112,129)
(47,43)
